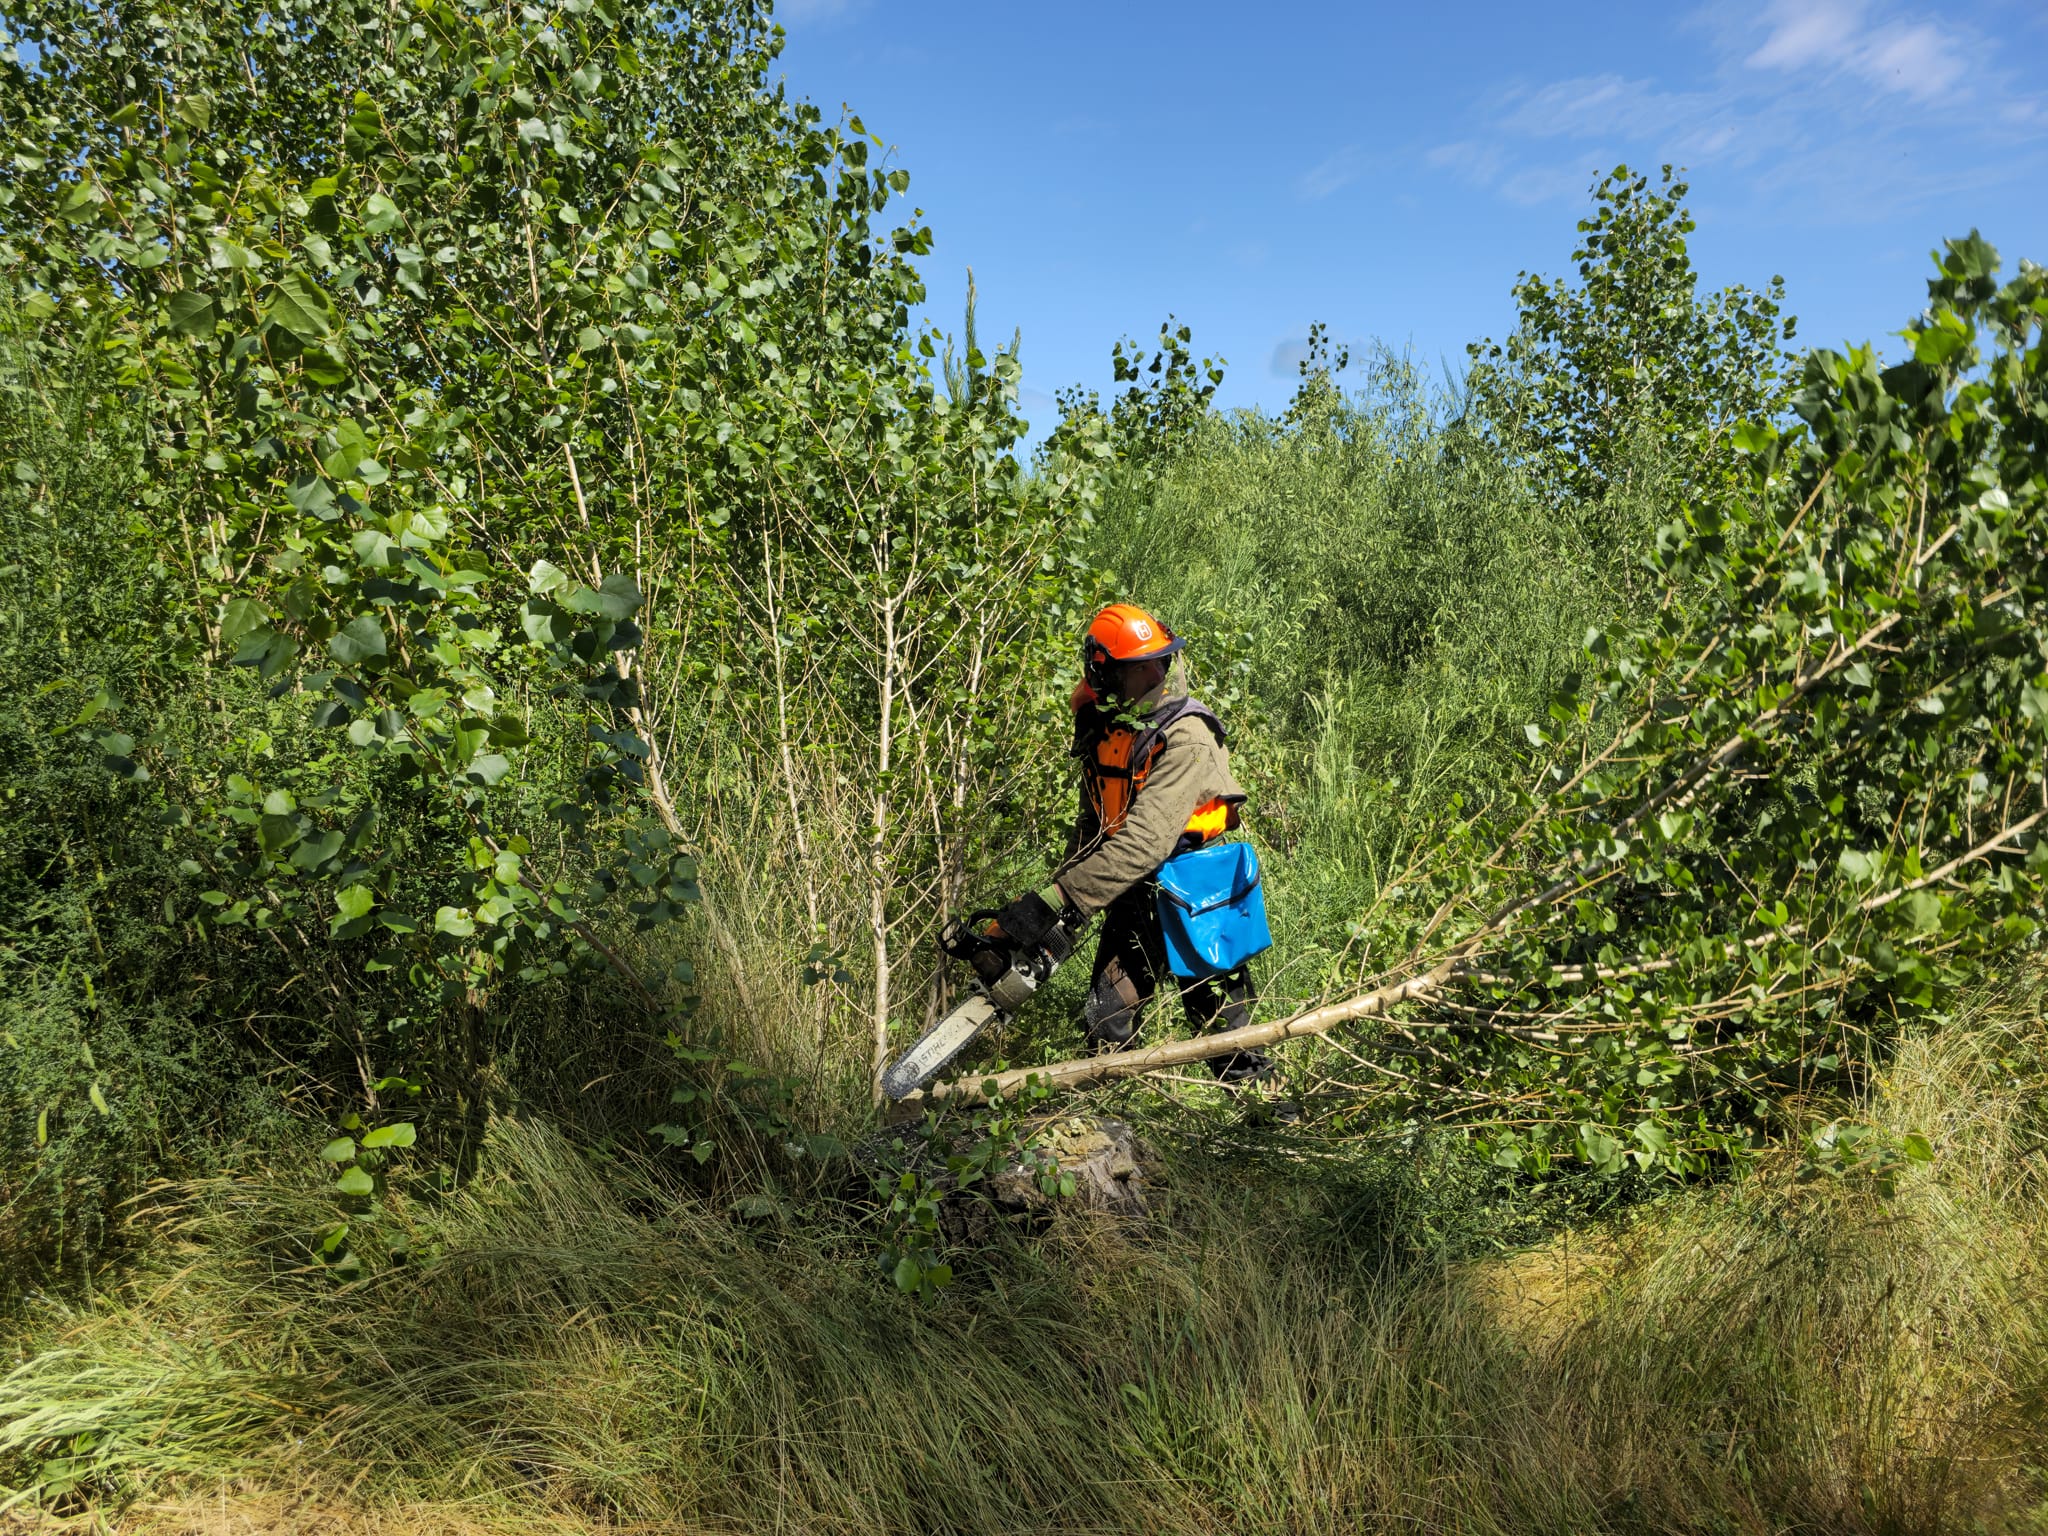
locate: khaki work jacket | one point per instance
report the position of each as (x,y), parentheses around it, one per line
(1190,769)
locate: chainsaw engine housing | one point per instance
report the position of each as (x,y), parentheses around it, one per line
(1006,974)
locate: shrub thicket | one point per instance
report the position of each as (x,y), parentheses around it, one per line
(508,651)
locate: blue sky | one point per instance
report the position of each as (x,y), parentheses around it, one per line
(1388,170)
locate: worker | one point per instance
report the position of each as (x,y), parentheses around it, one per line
(1155,781)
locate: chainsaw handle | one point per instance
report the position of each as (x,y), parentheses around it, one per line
(964,937)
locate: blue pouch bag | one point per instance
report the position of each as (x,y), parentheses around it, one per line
(1212,910)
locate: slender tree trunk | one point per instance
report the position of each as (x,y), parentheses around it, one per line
(771,594)
(878,855)
(953,851)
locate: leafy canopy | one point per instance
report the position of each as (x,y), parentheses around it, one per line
(1631,352)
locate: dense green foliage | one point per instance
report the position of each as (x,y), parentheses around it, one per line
(1632,355)
(513,639)
(1797,806)
(368,365)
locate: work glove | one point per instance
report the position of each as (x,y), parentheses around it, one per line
(1026,921)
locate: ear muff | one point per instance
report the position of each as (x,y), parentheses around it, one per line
(1095,664)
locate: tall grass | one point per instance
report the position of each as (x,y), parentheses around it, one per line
(1274,1352)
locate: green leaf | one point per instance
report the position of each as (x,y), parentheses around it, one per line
(361,639)
(544,623)
(226,255)
(401,1134)
(454,922)
(278,832)
(1937,344)
(1754,436)
(356,1182)
(615,599)
(489,767)
(1923,909)
(242,616)
(1859,866)
(192,313)
(1917,1147)
(298,304)
(1600,1150)
(355,901)
(372,547)
(545,577)
(380,214)
(340,1150)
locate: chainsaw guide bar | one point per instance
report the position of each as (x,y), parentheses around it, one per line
(937,1046)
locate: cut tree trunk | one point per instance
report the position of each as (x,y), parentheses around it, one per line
(1090,1070)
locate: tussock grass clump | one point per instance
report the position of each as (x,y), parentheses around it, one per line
(1817,1353)
(573,1337)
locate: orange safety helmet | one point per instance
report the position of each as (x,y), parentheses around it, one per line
(1122,632)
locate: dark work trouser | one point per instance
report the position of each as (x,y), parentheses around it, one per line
(1130,962)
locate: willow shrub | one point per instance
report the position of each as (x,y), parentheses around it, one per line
(1791,810)
(468,436)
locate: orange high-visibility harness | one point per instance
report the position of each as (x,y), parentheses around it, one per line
(1118,760)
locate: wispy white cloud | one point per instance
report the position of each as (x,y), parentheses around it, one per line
(1807,32)
(1475,161)
(1592,106)
(1333,174)
(1797,86)
(1288,356)
(1290,352)
(2026,114)
(1920,59)
(1530,185)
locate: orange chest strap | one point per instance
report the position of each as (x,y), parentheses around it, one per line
(1111,779)
(1112,782)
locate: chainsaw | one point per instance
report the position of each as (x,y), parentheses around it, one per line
(1005,975)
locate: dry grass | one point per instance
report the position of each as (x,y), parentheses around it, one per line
(257,1514)
(592,1352)
(1541,1295)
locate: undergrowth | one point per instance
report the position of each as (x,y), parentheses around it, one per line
(1275,1351)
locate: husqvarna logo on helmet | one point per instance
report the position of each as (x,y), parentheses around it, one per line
(1141,629)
